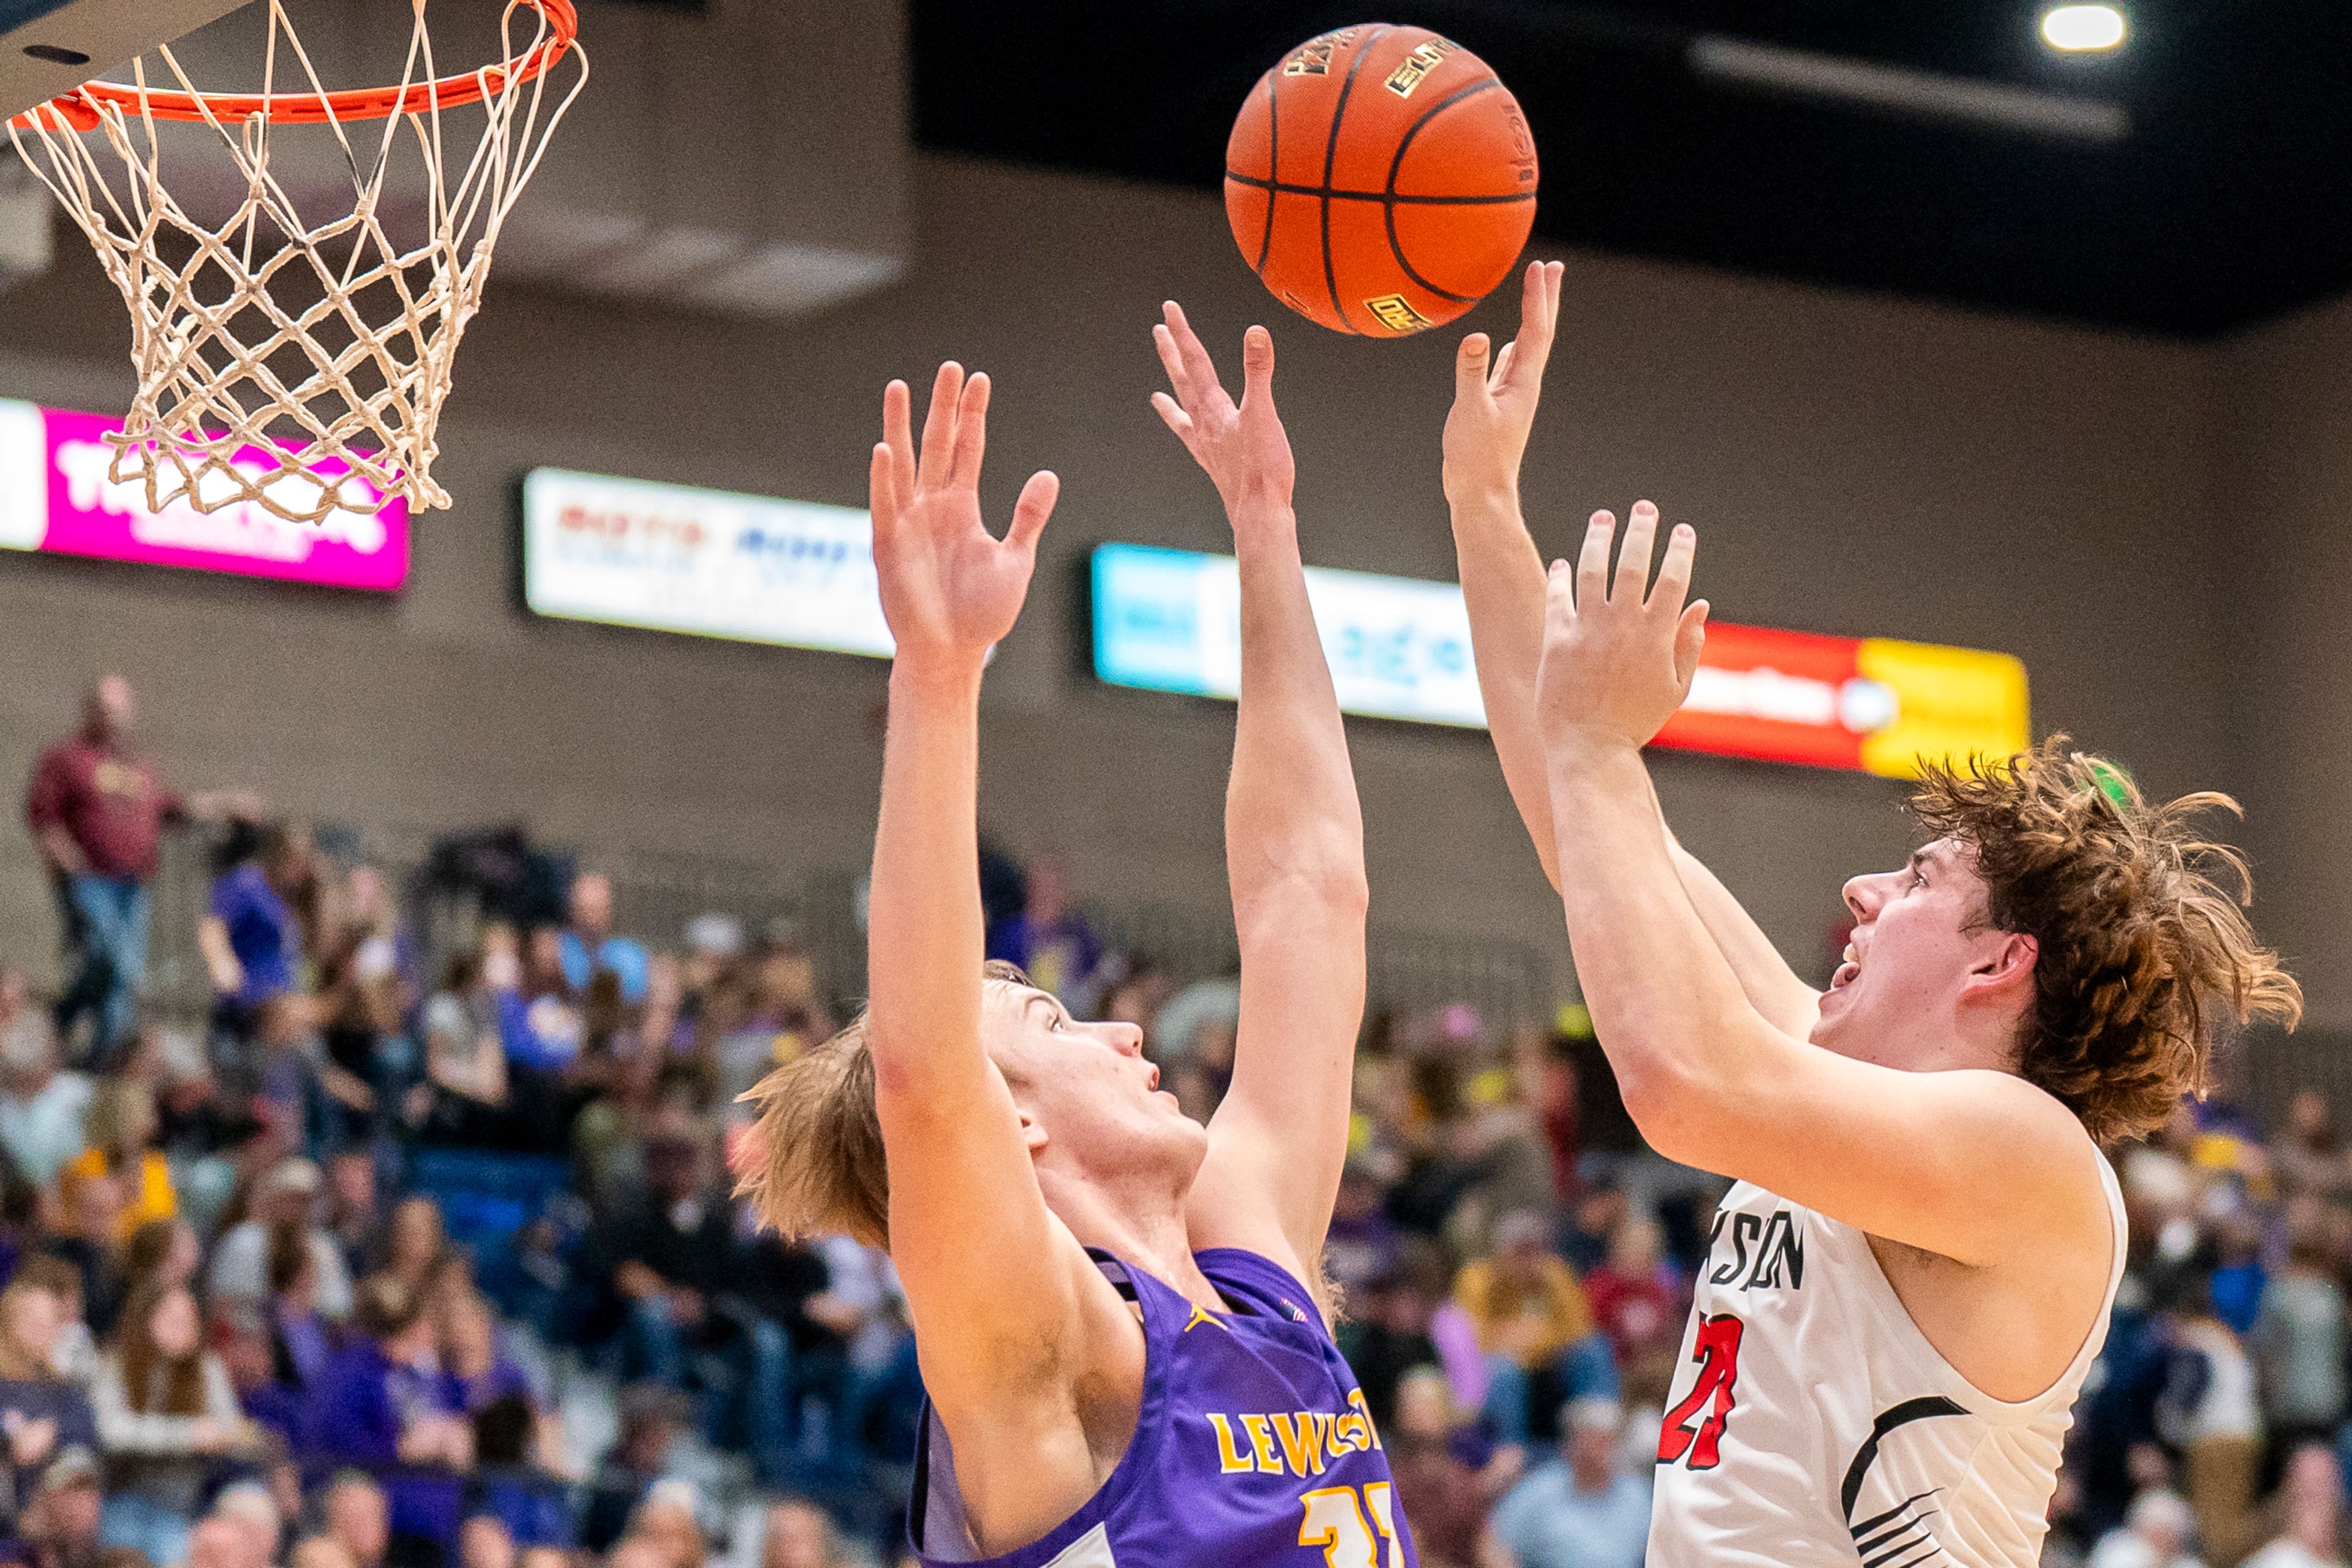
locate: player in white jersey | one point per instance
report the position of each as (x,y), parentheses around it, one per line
(1913,1272)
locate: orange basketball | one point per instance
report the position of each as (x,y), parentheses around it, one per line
(1380,180)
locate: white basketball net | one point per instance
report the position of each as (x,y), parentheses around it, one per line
(299,365)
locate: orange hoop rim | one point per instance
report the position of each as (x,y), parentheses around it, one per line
(79,108)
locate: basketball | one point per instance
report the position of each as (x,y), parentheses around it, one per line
(1380,180)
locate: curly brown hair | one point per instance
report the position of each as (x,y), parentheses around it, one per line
(2139,922)
(818,1167)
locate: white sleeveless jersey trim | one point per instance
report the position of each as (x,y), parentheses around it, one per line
(1812,1423)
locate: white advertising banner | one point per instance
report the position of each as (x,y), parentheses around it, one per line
(632,553)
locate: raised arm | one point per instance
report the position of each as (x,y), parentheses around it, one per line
(1503,586)
(1294,841)
(965,1210)
(1973,1166)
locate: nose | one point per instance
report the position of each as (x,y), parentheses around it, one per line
(1129,1038)
(1863,894)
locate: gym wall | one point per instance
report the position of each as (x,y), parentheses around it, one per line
(1856,464)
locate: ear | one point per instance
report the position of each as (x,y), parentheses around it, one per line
(1033,1137)
(2006,966)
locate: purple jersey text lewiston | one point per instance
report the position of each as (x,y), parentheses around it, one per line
(1253,1448)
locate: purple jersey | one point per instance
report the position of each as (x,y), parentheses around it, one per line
(1253,1448)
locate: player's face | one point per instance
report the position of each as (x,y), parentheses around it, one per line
(1919,933)
(1088,1087)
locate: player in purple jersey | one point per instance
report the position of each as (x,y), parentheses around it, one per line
(1118,1312)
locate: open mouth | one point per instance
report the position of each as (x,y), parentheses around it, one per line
(1848,971)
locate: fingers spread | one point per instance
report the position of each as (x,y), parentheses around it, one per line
(1171,360)
(1199,369)
(1503,364)
(898,435)
(972,434)
(1030,512)
(933,463)
(1592,563)
(1674,576)
(1633,556)
(1174,417)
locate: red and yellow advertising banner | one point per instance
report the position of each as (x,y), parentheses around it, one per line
(1868,704)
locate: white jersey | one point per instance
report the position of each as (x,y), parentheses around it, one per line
(1811,1423)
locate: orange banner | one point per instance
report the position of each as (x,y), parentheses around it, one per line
(1869,704)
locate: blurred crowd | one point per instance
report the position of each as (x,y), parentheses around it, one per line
(424,1254)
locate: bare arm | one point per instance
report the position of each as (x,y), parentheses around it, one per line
(966,1213)
(1503,588)
(220,957)
(1973,1166)
(1293,842)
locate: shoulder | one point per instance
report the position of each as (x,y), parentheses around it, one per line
(1262,1282)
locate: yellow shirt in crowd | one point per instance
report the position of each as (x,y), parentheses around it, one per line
(1529,1325)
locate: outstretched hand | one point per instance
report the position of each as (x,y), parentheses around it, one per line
(951,590)
(1495,405)
(1245,447)
(1616,663)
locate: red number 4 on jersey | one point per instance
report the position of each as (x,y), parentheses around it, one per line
(1694,1425)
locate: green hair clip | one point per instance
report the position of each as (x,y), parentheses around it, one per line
(2113,781)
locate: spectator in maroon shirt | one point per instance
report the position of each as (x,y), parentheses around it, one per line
(97,809)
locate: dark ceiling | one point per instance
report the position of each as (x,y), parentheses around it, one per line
(2227,200)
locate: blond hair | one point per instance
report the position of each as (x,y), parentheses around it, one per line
(2139,923)
(820,1168)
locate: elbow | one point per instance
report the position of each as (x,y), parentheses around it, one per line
(1669,1106)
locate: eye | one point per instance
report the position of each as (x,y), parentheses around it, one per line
(1918,877)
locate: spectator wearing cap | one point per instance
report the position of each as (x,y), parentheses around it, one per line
(96,809)
(670,1519)
(41,1107)
(2155,1533)
(60,1522)
(248,1505)
(167,1412)
(41,1414)
(385,1408)
(589,946)
(240,1271)
(1534,1326)
(665,1257)
(1580,1510)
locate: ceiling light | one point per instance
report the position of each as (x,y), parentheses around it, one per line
(2077,28)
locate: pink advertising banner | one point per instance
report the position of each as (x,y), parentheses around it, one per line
(55,497)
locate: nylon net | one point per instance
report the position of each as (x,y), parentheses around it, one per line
(299,360)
